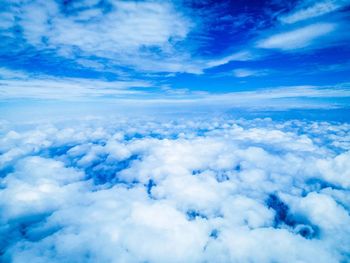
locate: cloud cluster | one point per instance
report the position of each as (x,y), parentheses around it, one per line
(124,31)
(191,190)
(163,36)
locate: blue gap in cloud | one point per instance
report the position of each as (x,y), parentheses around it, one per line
(317,184)
(193,214)
(22,228)
(56,151)
(283,217)
(149,187)
(214,234)
(5,170)
(102,172)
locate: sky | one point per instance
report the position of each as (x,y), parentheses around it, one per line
(238,54)
(174,131)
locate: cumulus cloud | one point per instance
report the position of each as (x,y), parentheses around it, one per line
(142,35)
(197,189)
(112,30)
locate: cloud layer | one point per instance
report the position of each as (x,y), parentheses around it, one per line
(206,190)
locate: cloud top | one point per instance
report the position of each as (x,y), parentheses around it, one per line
(198,189)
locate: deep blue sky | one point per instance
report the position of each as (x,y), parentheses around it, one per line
(287,54)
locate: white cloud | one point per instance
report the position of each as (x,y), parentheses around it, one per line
(146,36)
(12,74)
(156,39)
(317,9)
(138,93)
(152,24)
(243,72)
(201,190)
(298,38)
(141,35)
(288,97)
(333,170)
(239,56)
(18,85)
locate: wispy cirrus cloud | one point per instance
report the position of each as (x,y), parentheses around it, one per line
(131,92)
(244,72)
(306,11)
(278,98)
(23,85)
(244,55)
(298,38)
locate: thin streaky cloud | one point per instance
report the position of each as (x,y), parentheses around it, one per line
(298,38)
(317,9)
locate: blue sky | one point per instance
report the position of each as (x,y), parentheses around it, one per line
(211,131)
(289,54)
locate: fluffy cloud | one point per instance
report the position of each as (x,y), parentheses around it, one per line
(125,37)
(141,35)
(198,190)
